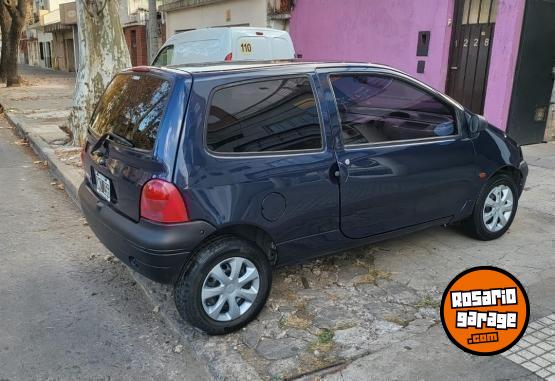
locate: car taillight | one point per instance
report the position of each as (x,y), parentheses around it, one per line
(229,57)
(162,202)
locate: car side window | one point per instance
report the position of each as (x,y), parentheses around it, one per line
(379,108)
(265,116)
(164,58)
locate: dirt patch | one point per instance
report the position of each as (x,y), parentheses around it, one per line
(69,155)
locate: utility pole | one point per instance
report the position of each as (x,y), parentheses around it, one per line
(152,29)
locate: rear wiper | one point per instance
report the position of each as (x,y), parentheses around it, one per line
(120,139)
(112,136)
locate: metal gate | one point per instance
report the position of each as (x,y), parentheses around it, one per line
(533,80)
(471,41)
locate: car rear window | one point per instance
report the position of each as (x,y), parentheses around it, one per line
(266,116)
(132,107)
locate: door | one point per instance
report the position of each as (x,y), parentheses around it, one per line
(70,55)
(402,158)
(45,54)
(133,48)
(121,145)
(534,73)
(470,52)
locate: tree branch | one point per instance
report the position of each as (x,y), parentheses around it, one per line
(11,10)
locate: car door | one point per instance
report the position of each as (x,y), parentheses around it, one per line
(402,155)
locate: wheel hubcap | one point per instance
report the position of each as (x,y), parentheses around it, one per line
(498,208)
(230,288)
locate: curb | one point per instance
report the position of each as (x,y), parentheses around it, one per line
(46,153)
(219,368)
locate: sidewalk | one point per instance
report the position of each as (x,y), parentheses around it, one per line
(368,313)
(37,110)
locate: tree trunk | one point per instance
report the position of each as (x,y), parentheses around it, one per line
(103,53)
(152,29)
(5,26)
(12,77)
(18,11)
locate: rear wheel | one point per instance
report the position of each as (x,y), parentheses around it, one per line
(225,287)
(495,209)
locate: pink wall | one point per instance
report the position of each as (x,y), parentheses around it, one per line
(506,40)
(378,31)
(386,31)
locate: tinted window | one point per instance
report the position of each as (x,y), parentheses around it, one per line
(132,107)
(276,115)
(164,58)
(377,109)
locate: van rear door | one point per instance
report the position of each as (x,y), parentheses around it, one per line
(263,44)
(127,142)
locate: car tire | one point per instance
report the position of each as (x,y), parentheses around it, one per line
(489,219)
(215,270)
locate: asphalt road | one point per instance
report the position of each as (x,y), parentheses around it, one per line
(68,309)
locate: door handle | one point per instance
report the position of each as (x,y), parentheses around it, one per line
(454,67)
(342,172)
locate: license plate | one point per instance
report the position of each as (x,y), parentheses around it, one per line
(102,185)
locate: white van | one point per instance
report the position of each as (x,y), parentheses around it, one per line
(225,44)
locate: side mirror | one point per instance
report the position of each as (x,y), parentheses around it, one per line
(477,124)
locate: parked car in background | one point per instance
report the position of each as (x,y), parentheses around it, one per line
(208,177)
(225,44)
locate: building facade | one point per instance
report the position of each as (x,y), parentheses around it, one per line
(51,38)
(471,49)
(184,15)
(49,41)
(133,16)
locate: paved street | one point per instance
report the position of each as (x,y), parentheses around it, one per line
(70,310)
(66,311)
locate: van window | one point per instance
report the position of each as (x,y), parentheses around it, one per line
(132,107)
(165,57)
(198,51)
(377,108)
(266,116)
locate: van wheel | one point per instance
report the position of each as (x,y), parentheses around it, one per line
(225,287)
(495,209)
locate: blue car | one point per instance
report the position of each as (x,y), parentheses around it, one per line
(208,177)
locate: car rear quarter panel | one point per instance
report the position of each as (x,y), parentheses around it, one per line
(226,191)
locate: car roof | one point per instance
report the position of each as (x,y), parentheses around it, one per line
(191,35)
(278,67)
(218,67)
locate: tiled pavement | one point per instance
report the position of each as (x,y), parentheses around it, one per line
(536,350)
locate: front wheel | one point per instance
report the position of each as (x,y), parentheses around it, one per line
(495,209)
(225,287)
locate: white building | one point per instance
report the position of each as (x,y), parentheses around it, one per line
(183,15)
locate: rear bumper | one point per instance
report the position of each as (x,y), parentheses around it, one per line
(158,251)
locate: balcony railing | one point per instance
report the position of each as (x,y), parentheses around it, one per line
(172,5)
(280,7)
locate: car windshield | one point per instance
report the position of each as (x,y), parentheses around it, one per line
(164,57)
